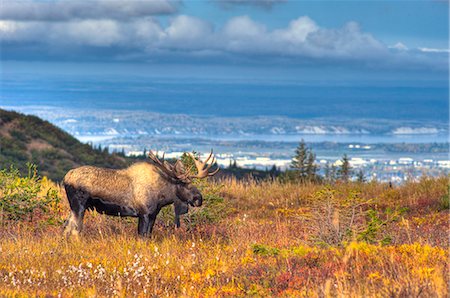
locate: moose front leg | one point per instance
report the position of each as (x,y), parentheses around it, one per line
(179,208)
(143,223)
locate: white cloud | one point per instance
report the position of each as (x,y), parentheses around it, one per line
(98,33)
(346,42)
(241,37)
(431,50)
(146,31)
(187,32)
(297,30)
(12,31)
(243,27)
(399,46)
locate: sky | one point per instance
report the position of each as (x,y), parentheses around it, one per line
(385,39)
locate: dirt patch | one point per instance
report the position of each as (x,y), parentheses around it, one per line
(6,128)
(38,145)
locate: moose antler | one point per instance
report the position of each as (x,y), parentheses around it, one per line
(177,170)
(173,171)
(203,167)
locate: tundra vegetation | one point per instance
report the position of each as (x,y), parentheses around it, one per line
(249,238)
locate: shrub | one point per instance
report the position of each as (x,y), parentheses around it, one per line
(343,217)
(20,196)
(264,250)
(444,202)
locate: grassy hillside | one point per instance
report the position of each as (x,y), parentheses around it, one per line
(259,239)
(30,139)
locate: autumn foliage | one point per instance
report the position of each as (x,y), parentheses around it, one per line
(251,238)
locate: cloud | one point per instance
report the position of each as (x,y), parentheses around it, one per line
(187,32)
(432,50)
(63,10)
(298,30)
(188,38)
(399,46)
(243,27)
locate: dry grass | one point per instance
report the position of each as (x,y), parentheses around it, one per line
(266,245)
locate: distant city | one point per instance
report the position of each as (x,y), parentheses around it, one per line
(396,170)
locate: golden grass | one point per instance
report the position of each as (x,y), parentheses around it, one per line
(264,246)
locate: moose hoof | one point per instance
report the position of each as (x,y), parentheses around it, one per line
(71,234)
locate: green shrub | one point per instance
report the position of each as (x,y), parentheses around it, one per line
(373,230)
(264,250)
(20,195)
(444,202)
(213,210)
(340,217)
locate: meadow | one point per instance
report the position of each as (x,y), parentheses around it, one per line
(251,238)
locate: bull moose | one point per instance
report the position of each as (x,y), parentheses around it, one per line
(140,190)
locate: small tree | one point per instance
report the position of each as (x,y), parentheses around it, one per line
(330,173)
(345,170)
(303,164)
(311,167)
(360,176)
(274,172)
(21,195)
(299,162)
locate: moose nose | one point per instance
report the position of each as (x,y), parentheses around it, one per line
(197,201)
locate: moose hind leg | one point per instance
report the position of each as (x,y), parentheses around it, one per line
(78,202)
(151,221)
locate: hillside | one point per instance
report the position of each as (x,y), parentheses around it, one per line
(26,138)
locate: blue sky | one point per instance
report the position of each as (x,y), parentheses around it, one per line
(408,39)
(416,23)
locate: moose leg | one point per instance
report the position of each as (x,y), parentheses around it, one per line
(179,208)
(151,221)
(77,201)
(177,220)
(143,225)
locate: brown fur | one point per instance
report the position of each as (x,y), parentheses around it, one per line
(140,189)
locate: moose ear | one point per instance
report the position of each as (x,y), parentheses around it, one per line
(180,207)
